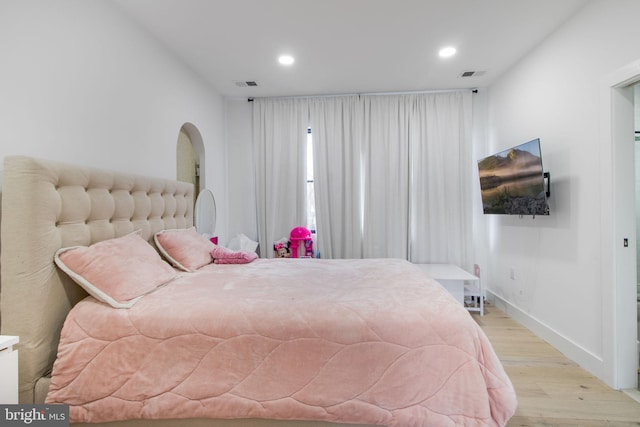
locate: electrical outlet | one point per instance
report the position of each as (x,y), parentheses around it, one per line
(512,273)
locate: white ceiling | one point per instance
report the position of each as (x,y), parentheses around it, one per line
(348,46)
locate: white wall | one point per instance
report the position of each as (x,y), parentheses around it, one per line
(81,83)
(241,170)
(554,93)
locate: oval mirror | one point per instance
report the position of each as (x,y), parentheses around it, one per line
(205,213)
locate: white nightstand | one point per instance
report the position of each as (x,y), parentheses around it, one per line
(8,370)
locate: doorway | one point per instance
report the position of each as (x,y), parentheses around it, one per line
(617,171)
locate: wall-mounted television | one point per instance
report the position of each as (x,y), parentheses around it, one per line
(513,182)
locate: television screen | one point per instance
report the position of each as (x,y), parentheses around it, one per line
(512,182)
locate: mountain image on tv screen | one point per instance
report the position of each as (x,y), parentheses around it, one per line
(512,181)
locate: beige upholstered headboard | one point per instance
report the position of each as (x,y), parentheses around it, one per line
(48,205)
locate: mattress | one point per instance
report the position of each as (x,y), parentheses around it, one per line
(353,341)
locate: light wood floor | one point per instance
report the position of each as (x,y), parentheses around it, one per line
(551,389)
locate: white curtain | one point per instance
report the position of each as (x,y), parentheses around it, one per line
(392,174)
(441,179)
(386,122)
(337,158)
(279,137)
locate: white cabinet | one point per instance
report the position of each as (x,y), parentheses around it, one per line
(8,370)
(464,286)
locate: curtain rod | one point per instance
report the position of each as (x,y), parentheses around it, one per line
(473,90)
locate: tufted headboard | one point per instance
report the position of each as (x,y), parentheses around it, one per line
(48,205)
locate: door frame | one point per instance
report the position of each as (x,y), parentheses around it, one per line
(617,190)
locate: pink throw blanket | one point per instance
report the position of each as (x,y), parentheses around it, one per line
(222,255)
(349,341)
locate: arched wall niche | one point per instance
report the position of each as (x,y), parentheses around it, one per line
(190,157)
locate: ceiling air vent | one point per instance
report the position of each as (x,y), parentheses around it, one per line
(472,73)
(246,84)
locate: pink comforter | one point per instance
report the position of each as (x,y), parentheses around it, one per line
(357,341)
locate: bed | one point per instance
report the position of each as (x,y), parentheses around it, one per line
(271,342)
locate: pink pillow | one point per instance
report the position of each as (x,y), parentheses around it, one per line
(117,271)
(184,248)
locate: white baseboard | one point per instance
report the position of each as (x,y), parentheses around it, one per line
(581,356)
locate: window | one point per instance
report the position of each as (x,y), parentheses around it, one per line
(311,200)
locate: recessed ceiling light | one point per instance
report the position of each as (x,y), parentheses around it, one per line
(286,60)
(446,52)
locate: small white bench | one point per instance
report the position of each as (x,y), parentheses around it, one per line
(464,286)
